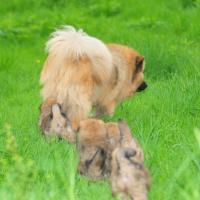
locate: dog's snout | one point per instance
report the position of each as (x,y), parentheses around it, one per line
(142,87)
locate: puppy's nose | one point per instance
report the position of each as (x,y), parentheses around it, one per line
(142,87)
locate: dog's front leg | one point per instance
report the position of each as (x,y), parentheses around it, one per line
(105,109)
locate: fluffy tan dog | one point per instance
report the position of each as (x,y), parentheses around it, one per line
(81,71)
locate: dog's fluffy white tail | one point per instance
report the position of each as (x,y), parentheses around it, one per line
(68,48)
(69,42)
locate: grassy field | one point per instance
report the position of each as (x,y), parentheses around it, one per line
(163,118)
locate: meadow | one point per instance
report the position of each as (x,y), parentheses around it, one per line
(165,118)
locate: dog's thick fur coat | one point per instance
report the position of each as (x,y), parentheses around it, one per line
(81,71)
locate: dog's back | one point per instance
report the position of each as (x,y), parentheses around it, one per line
(70,53)
(75,64)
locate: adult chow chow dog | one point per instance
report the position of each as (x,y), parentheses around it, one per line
(81,71)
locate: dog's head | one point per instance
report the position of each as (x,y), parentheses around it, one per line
(135,74)
(131,69)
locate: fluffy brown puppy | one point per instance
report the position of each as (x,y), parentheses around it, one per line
(81,71)
(96,136)
(108,149)
(128,141)
(92,143)
(129,178)
(55,123)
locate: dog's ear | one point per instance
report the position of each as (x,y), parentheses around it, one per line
(139,63)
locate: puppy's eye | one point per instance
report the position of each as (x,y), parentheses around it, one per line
(51,116)
(63,114)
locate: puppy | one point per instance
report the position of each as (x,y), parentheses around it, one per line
(81,71)
(91,143)
(108,149)
(54,122)
(96,141)
(96,136)
(129,178)
(128,141)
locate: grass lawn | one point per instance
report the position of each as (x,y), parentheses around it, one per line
(162,118)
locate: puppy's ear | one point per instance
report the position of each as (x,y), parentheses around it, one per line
(128,152)
(139,63)
(123,127)
(56,110)
(125,132)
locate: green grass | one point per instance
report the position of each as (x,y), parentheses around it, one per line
(163,118)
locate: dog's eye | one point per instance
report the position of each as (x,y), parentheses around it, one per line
(51,116)
(139,63)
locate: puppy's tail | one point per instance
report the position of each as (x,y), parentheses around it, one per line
(69,44)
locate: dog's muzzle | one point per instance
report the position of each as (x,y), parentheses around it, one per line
(142,87)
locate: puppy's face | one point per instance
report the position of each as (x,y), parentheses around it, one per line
(58,120)
(54,122)
(136,181)
(127,140)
